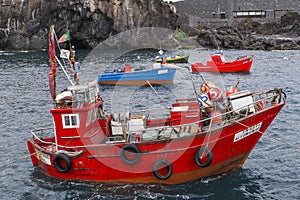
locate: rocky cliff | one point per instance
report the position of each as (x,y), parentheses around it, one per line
(250,34)
(24,24)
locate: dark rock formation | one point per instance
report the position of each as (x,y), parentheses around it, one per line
(250,34)
(24,24)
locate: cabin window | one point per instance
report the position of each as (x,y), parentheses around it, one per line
(92,95)
(81,98)
(70,121)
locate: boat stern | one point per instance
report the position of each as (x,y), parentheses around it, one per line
(32,152)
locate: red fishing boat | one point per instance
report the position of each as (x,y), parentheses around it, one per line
(219,64)
(200,137)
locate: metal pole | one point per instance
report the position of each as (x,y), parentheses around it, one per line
(66,73)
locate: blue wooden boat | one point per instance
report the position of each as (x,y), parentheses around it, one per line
(155,76)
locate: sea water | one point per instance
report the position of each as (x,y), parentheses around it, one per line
(271,171)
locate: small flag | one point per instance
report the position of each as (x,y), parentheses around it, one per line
(64,37)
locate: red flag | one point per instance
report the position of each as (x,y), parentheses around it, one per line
(52,85)
(52,72)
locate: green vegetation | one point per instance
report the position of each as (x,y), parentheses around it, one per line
(180,34)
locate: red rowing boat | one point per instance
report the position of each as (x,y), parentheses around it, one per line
(199,138)
(219,64)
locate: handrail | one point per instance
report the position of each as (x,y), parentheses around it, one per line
(52,143)
(277,95)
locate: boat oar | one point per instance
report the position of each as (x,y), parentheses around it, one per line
(157,94)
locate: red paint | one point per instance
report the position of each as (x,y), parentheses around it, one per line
(88,145)
(219,64)
(127,68)
(97,160)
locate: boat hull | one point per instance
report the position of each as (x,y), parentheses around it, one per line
(176,59)
(157,76)
(229,149)
(243,65)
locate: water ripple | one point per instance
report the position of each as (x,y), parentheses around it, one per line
(271,172)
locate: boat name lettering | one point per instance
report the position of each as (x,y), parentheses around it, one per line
(45,158)
(163,71)
(241,135)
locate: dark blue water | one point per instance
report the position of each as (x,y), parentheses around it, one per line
(271,171)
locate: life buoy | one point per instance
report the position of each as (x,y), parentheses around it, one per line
(215,94)
(134,152)
(202,153)
(62,162)
(64,99)
(204,101)
(159,167)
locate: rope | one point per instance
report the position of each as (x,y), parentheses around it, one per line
(274,138)
(62,66)
(208,139)
(14,161)
(284,142)
(162,100)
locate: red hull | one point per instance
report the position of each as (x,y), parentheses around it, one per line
(198,139)
(102,162)
(217,65)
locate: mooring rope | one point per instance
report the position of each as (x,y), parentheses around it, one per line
(16,160)
(274,138)
(161,99)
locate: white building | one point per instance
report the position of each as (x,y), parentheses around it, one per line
(172,6)
(172,1)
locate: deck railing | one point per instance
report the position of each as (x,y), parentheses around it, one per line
(266,99)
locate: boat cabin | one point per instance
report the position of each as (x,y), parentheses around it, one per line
(79,117)
(217,58)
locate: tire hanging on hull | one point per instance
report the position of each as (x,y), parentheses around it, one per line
(62,162)
(203,152)
(135,152)
(160,165)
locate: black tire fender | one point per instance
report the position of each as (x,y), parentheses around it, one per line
(157,167)
(198,156)
(62,162)
(134,150)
